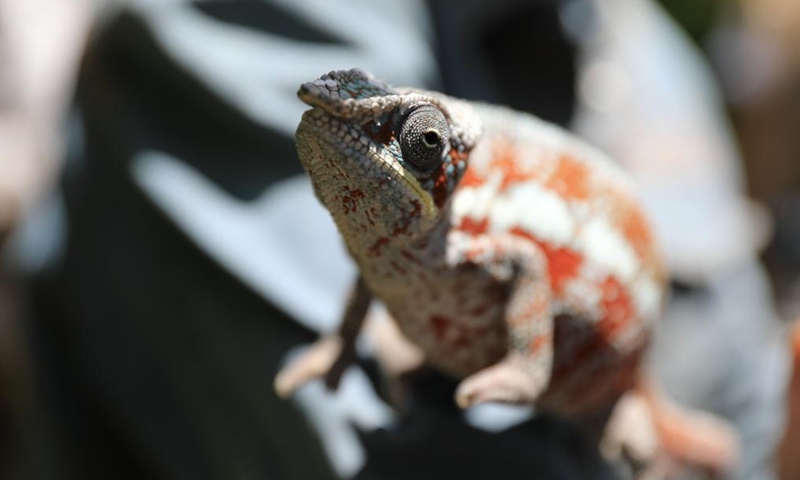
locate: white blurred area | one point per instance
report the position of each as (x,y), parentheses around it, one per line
(649,100)
(40,45)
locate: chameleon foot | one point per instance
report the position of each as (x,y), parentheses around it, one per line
(510,381)
(630,441)
(653,440)
(698,439)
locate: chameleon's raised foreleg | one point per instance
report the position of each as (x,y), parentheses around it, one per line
(525,372)
(330,356)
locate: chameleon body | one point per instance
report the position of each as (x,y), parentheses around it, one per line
(513,255)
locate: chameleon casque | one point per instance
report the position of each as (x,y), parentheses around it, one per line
(511,254)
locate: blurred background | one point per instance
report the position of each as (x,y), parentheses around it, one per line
(162,253)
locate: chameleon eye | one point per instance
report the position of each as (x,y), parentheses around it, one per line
(431,138)
(424,136)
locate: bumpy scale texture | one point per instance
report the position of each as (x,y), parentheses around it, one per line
(511,254)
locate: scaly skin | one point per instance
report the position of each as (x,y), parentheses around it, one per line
(510,253)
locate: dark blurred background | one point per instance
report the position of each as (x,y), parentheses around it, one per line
(159,259)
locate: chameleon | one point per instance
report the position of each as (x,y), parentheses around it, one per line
(512,255)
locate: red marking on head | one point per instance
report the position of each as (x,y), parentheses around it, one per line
(440,325)
(473,226)
(371,214)
(375,249)
(441,183)
(405,223)
(617,306)
(440,192)
(351,199)
(563,263)
(570,180)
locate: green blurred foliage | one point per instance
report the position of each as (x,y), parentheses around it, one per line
(698,17)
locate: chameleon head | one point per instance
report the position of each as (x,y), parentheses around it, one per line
(383,161)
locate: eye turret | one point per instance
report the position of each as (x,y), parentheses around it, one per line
(424,137)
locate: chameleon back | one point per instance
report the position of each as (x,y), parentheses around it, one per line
(607,278)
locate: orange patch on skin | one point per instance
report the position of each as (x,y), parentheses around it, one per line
(632,223)
(570,179)
(637,232)
(505,160)
(473,226)
(618,307)
(539,342)
(471,179)
(563,264)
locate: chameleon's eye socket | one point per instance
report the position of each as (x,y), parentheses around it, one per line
(424,137)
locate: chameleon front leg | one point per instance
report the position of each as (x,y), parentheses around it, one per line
(330,356)
(525,371)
